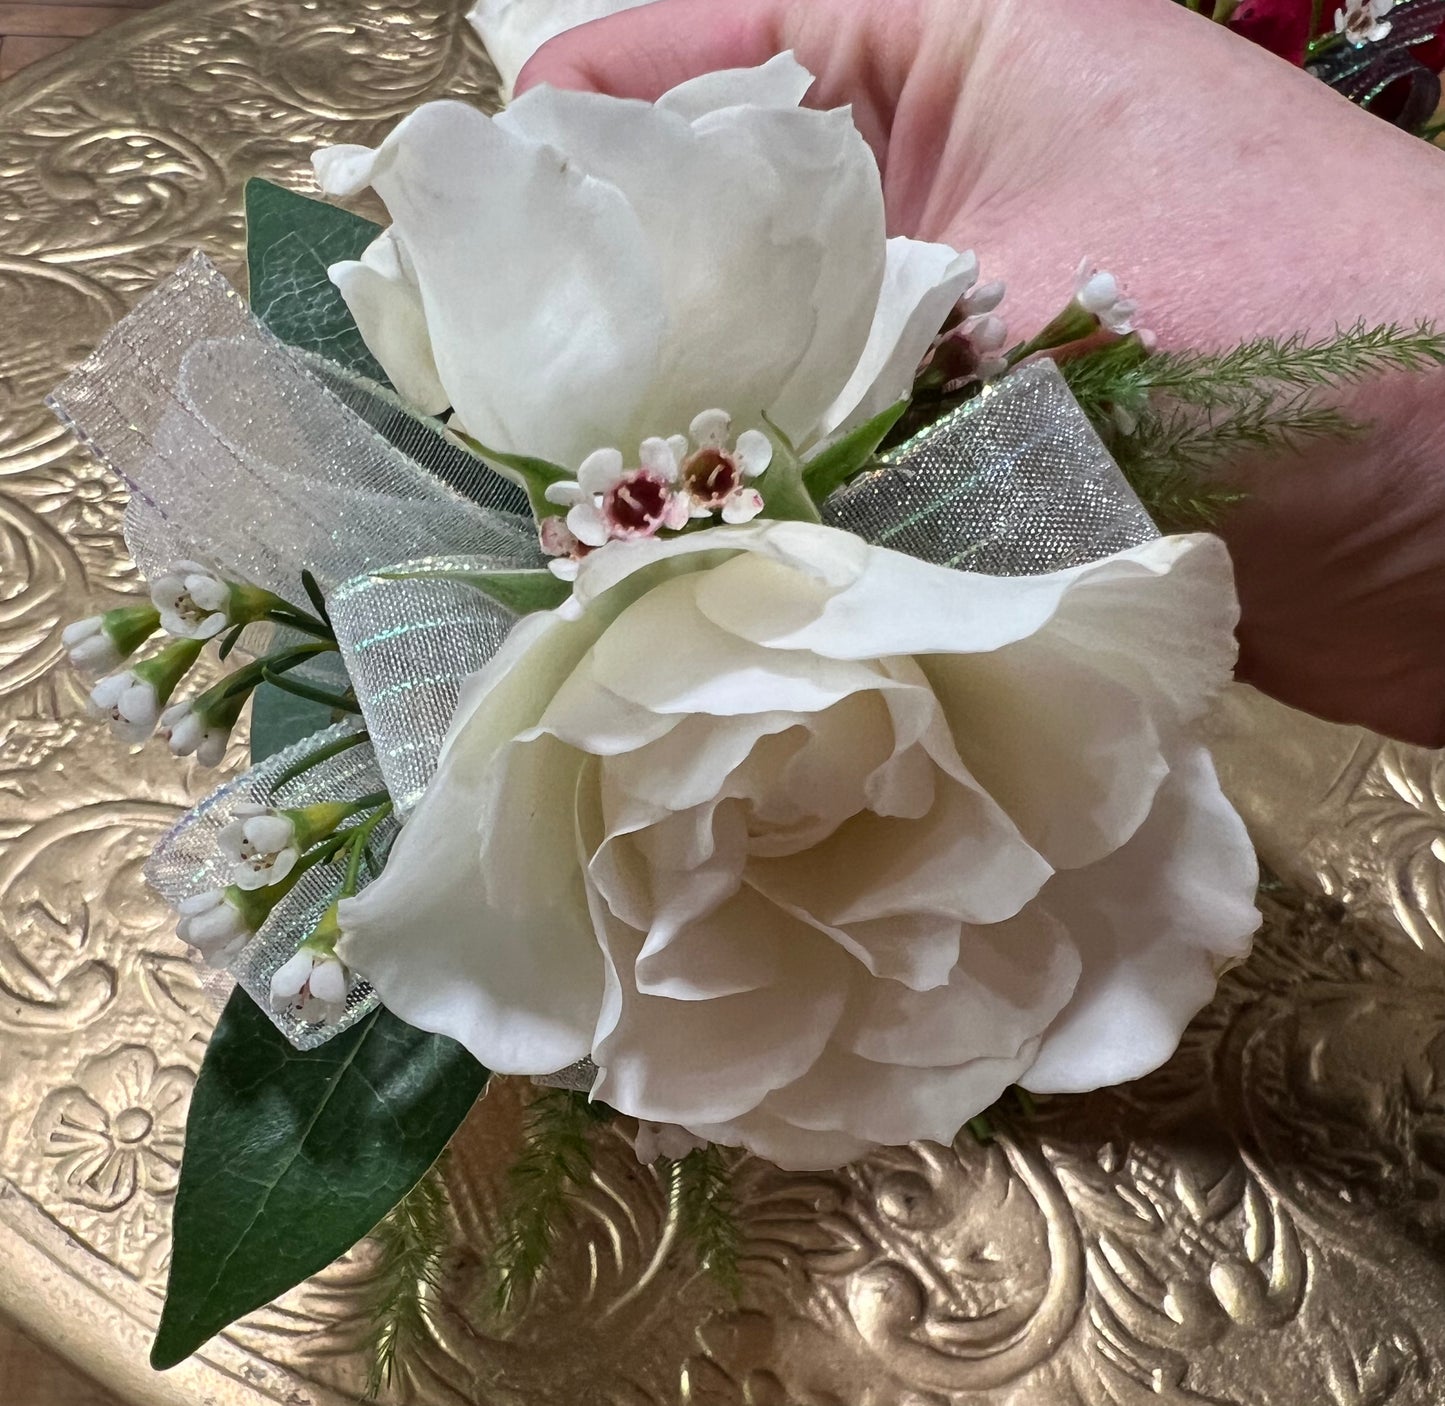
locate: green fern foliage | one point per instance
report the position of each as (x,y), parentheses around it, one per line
(556,1157)
(1175,421)
(411,1242)
(702,1193)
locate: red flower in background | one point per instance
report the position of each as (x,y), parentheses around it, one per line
(1281,26)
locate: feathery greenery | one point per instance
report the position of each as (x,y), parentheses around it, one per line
(410,1242)
(1238,377)
(702,1193)
(1174,420)
(556,1157)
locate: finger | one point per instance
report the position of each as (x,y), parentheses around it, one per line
(643,52)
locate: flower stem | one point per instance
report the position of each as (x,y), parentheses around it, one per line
(340,702)
(321,754)
(300,621)
(246,678)
(360,834)
(1323,45)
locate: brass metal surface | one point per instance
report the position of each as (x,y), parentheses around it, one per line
(1260,1222)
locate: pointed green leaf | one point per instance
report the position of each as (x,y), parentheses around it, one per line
(278,719)
(293,1156)
(784,495)
(521,592)
(846,458)
(290,243)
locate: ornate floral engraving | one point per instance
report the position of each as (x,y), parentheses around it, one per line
(115,1137)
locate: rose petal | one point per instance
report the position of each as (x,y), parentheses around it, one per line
(766,227)
(1070,754)
(891,1103)
(706,670)
(1011,981)
(755,1041)
(388,312)
(781,82)
(1152,924)
(574,322)
(921,284)
(501,955)
(898,893)
(897,604)
(783,1143)
(513,30)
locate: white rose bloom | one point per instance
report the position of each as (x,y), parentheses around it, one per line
(584,272)
(513,30)
(813,846)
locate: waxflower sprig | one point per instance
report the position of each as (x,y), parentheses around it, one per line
(314,983)
(269,849)
(195,606)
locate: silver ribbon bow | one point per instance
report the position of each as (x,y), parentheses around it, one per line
(263,461)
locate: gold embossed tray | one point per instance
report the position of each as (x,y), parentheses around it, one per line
(1260,1222)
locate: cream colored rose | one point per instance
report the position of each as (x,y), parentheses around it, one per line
(812,846)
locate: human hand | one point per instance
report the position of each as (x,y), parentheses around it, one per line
(1233,195)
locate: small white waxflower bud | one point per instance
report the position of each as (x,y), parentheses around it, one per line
(189,734)
(261,845)
(1099,294)
(313,985)
(132,699)
(983,299)
(215,924)
(101,643)
(194,602)
(129,702)
(90,648)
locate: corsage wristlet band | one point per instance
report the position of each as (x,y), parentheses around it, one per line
(703,665)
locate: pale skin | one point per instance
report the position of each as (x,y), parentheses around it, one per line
(1231,194)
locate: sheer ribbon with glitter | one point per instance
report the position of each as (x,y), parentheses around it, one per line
(264,462)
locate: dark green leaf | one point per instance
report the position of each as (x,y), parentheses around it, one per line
(846,458)
(535,475)
(785,496)
(315,596)
(521,592)
(290,242)
(278,719)
(292,1157)
(229,643)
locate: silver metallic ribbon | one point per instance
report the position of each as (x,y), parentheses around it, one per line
(263,462)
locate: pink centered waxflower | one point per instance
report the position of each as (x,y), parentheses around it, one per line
(715,475)
(1363,21)
(609,502)
(560,543)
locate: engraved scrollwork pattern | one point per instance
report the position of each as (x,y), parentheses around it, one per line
(1263,1220)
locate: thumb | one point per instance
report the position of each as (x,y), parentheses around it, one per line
(642,52)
